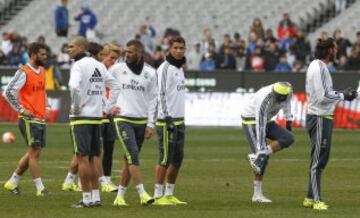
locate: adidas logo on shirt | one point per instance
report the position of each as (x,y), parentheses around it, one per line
(96,76)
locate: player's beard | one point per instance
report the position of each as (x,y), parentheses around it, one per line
(39,62)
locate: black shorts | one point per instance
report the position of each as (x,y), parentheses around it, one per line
(86,138)
(33,132)
(108,132)
(131,134)
(171,145)
(273,132)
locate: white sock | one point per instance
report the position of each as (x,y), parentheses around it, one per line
(70,178)
(158,190)
(95,195)
(15,179)
(257,187)
(268,150)
(103,181)
(121,191)
(108,178)
(169,190)
(86,197)
(38,183)
(140,189)
(79,183)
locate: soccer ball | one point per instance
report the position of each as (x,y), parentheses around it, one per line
(8,138)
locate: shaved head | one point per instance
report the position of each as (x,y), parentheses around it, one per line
(77,45)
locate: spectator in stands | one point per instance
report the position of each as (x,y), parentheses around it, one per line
(253,37)
(354,60)
(342,65)
(62,19)
(331,67)
(286,27)
(158,57)
(208,63)
(302,48)
(226,43)
(238,41)
(87,21)
(286,42)
(356,45)
(324,35)
(147,32)
(257,62)
(283,66)
(18,54)
(63,58)
(290,55)
(271,56)
(257,27)
(226,60)
(269,36)
(6,44)
(15,55)
(193,59)
(342,44)
(240,55)
(53,76)
(340,6)
(207,40)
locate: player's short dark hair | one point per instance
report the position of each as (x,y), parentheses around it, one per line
(35,47)
(322,47)
(94,48)
(136,43)
(177,39)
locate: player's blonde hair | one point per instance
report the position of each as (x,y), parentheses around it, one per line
(111,47)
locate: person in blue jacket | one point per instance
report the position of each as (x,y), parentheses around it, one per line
(62,19)
(87,19)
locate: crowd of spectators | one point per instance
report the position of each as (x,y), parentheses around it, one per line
(286,50)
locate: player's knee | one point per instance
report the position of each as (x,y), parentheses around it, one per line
(287,140)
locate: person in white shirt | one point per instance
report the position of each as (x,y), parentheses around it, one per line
(257,123)
(322,99)
(136,117)
(170,123)
(88,79)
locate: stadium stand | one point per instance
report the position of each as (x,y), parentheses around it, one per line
(119,20)
(346,21)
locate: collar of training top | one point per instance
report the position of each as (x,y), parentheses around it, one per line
(79,56)
(136,67)
(175,62)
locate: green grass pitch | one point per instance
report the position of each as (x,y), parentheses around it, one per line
(215,178)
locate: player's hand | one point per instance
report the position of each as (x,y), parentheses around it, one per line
(27,113)
(169,124)
(289,125)
(115,110)
(149,132)
(48,112)
(74,111)
(349,94)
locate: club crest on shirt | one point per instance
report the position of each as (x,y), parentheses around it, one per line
(124,72)
(146,75)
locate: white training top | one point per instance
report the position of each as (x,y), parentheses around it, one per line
(319,90)
(88,79)
(138,92)
(262,107)
(171,96)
